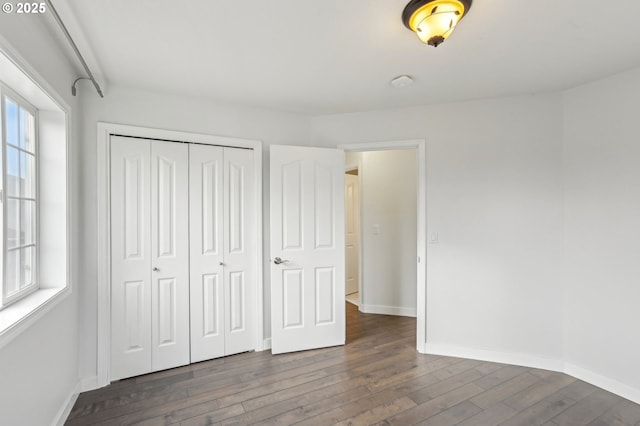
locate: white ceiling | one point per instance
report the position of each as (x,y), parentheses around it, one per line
(333,56)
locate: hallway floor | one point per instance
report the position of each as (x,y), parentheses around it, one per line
(354,298)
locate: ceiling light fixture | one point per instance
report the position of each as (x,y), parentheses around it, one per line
(434,20)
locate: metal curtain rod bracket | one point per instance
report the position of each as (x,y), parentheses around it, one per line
(78,54)
(73,86)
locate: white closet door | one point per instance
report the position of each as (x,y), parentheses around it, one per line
(239,247)
(131,257)
(206,230)
(170,254)
(183,244)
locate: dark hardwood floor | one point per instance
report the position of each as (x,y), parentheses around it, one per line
(377,378)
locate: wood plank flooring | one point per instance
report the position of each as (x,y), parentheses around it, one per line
(376,378)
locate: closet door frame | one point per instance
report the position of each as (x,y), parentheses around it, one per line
(105,131)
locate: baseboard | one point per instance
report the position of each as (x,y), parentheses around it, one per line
(266,345)
(603,382)
(611,385)
(523,360)
(388,310)
(65,410)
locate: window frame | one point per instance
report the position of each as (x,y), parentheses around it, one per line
(57,238)
(8,92)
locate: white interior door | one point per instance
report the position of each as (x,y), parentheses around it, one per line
(149,256)
(307,248)
(206,229)
(170,254)
(352,227)
(223,240)
(239,246)
(131,257)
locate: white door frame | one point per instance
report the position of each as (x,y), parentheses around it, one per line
(421,284)
(348,167)
(105,130)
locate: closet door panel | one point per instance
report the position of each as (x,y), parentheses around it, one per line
(239,245)
(207,256)
(170,254)
(130,257)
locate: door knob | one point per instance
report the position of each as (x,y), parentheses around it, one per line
(155,269)
(222,264)
(278,261)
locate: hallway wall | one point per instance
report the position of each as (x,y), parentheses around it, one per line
(389,231)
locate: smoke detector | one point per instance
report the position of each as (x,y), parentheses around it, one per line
(402,81)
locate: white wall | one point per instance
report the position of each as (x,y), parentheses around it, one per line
(39,368)
(602,231)
(141,108)
(494,196)
(389,200)
(535,202)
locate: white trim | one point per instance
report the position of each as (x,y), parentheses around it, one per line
(611,385)
(35,77)
(67,406)
(105,130)
(7,92)
(259,265)
(520,359)
(103,358)
(388,310)
(27,82)
(421,262)
(16,318)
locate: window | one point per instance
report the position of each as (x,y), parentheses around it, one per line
(18,197)
(35,214)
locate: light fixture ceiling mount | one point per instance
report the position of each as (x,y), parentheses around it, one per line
(434,20)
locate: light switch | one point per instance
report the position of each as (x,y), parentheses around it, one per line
(433,239)
(376,229)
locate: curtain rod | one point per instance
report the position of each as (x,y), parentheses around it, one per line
(75,49)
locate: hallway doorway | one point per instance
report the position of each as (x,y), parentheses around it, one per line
(414,295)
